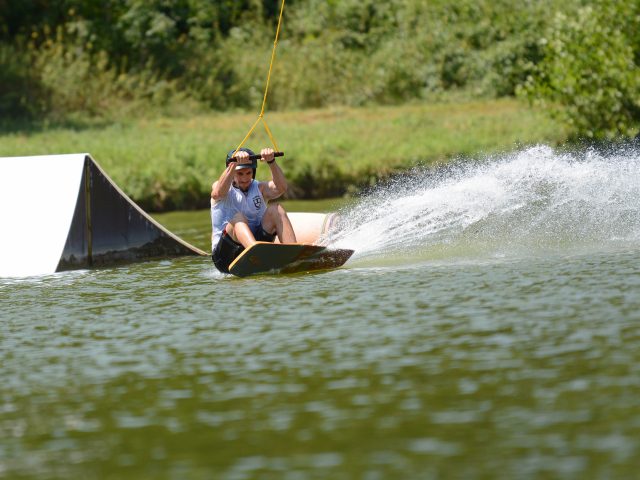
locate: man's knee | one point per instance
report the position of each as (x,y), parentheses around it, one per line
(272,217)
(276,209)
(238,218)
(230,229)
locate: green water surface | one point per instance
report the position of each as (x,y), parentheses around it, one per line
(463,367)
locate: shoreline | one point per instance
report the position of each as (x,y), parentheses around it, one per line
(168,163)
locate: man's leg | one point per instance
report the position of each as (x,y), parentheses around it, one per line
(277,221)
(239,230)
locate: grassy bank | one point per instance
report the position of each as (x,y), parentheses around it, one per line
(169,163)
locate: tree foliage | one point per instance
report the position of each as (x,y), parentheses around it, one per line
(590,73)
(105,57)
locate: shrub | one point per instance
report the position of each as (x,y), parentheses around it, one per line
(590,74)
(23,95)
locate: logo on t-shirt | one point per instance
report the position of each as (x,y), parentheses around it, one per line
(257,201)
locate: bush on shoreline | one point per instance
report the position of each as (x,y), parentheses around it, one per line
(590,73)
(120,58)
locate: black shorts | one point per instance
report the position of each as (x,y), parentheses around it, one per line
(227,249)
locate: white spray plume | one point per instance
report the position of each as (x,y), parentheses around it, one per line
(534,199)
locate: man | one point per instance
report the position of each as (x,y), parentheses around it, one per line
(240,215)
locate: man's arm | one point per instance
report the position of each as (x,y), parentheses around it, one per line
(278,184)
(220,187)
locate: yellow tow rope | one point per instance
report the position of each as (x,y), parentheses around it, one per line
(266,91)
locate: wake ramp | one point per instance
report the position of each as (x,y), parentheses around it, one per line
(62,212)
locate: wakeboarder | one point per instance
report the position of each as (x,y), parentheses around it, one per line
(240,212)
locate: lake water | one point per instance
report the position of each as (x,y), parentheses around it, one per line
(488,326)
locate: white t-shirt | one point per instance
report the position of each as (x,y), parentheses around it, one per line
(250,203)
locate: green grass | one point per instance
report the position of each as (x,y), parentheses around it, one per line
(170,163)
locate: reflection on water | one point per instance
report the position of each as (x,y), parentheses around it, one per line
(451,360)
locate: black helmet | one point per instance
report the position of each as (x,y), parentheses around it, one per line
(253,164)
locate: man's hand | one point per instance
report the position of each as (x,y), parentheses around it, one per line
(241,157)
(266,155)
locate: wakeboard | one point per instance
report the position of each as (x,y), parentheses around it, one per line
(265,257)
